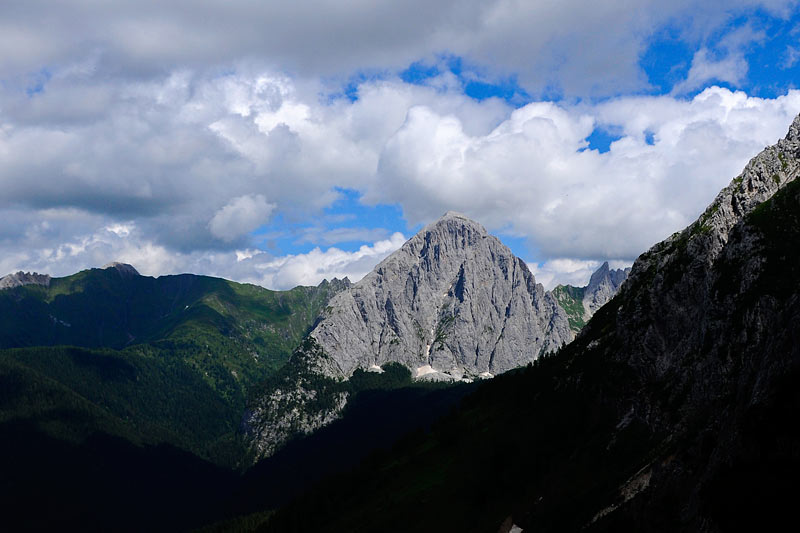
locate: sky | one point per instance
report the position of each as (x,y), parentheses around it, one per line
(281,143)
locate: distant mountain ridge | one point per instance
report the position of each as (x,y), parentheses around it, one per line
(18,279)
(76,335)
(580,303)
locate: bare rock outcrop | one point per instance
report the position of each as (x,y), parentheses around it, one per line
(603,285)
(18,279)
(453,302)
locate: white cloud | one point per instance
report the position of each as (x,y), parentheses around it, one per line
(320,235)
(312,267)
(192,178)
(790,57)
(730,69)
(533,175)
(723,62)
(97,248)
(240,216)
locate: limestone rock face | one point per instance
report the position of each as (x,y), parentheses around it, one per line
(20,278)
(603,285)
(453,302)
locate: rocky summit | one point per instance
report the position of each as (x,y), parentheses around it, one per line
(452,303)
(602,286)
(125,270)
(18,279)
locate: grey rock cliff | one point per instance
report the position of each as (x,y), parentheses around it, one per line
(453,302)
(602,286)
(20,278)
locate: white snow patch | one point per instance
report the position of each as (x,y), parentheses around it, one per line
(485,375)
(424,370)
(375,368)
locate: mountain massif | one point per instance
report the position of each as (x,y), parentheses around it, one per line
(452,304)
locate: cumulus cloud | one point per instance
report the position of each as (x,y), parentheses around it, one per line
(316,265)
(240,216)
(544,43)
(172,153)
(534,175)
(730,69)
(194,161)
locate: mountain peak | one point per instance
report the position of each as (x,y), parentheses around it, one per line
(451,218)
(453,298)
(124,269)
(453,303)
(598,275)
(455,214)
(794,130)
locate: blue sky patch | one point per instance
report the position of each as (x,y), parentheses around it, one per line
(601,140)
(347,224)
(473,80)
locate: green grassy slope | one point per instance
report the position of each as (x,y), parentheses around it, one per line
(571,300)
